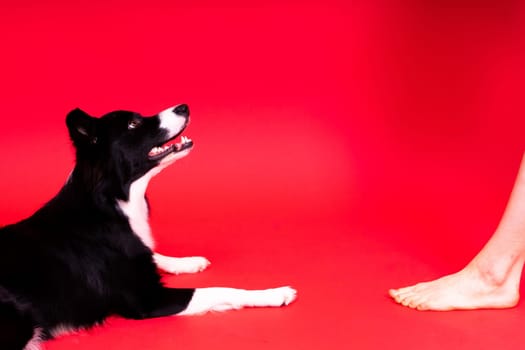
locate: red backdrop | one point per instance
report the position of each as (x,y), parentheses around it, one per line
(342,147)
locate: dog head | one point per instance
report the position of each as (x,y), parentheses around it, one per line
(123,146)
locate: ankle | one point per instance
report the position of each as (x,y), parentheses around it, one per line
(497,274)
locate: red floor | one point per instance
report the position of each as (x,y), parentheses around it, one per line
(340,148)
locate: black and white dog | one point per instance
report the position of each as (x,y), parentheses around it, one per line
(88,253)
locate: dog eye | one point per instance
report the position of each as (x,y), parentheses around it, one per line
(132,124)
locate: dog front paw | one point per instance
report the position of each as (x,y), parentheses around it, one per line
(177,266)
(283,296)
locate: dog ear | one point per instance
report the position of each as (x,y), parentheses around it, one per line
(82,127)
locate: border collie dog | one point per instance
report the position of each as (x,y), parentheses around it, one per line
(88,253)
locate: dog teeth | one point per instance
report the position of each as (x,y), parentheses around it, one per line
(157,150)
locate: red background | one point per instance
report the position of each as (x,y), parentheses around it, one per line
(341,147)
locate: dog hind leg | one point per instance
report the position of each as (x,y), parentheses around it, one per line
(17,329)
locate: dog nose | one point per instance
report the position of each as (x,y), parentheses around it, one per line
(182,110)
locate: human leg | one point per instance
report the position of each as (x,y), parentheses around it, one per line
(491,279)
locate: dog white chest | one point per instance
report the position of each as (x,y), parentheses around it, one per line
(136,210)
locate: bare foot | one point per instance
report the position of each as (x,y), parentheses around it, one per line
(467,289)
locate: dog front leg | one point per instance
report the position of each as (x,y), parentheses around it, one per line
(185,302)
(223,299)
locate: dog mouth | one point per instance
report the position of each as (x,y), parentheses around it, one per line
(174,145)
